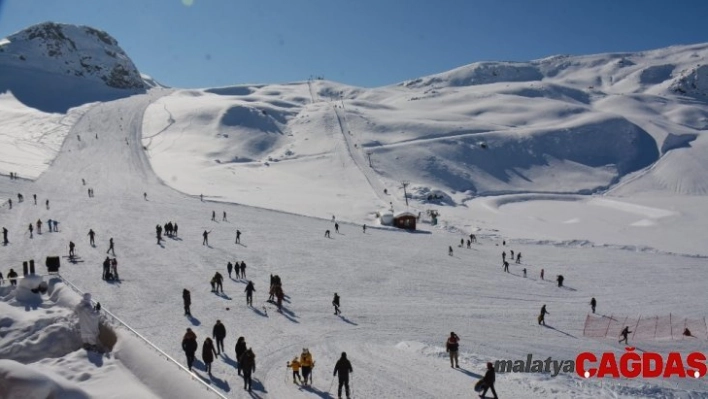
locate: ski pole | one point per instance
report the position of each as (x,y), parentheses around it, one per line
(330,385)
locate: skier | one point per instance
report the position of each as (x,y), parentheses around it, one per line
(503,256)
(524,272)
(327,234)
(223,218)
(488,381)
(506,266)
(625,332)
(449,250)
(560,279)
(219,333)
(343,368)
(307,364)
(110,247)
(4,237)
(205,234)
(240,350)
(335,302)
(208,354)
(518,257)
(593,304)
(541,274)
(49,224)
(238,236)
(47,203)
(364,227)
(35,198)
(158,233)
(187,299)
(542,316)
(229,268)
(336,228)
(248,366)
(71,249)
(189,346)
(201,197)
(31,229)
(243,269)
(295,365)
(452,346)
(249,293)
(91,235)
(213,216)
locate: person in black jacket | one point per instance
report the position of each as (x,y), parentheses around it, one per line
(489,378)
(187,298)
(343,368)
(219,333)
(452,346)
(248,366)
(335,302)
(208,353)
(189,346)
(593,304)
(249,293)
(240,350)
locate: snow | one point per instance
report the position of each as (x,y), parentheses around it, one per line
(604,185)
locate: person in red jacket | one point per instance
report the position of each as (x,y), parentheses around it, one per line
(452,346)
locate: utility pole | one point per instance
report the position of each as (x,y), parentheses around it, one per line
(405,194)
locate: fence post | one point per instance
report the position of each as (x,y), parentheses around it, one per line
(671,327)
(636,326)
(608,325)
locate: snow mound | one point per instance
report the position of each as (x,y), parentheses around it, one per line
(481,73)
(693,82)
(26,382)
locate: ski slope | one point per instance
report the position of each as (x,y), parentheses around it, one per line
(401,296)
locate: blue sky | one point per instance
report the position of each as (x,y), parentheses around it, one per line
(364,42)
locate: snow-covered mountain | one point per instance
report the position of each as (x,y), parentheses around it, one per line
(71,50)
(53,67)
(593,167)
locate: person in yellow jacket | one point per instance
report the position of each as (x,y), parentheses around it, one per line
(295,365)
(307,364)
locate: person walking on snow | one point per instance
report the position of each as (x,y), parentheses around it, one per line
(503,256)
(624,334)
(488,381)
(542,316)
(205,234)
(187,299)
(31,229)
(343,368)
(238,236)
(240,350)
(449,250)
(110,247)
(189,346)
(223,218)
(336,228)
(452,346)
(213,216)
(335,302)
(91,235)
(219,280)
(229,268)
(71,249)
(219,333)
(243,269)
(327,234)
(4,237)
(593,304)
(39,226)
(208,354)
(250,289)
(364,227)
(518,257)
(248,367)
(506,266)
